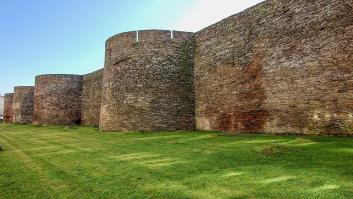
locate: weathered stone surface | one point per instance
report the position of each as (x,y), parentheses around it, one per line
(148,85)
(23,104)
(280,67)
(2,105)
(8,108)
(57,100)
(91,98)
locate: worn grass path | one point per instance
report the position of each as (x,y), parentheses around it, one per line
(81,162)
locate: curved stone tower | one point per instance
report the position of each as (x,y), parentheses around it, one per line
(148,82)
(8,108)
(91,98)
(57,100)
(23,104)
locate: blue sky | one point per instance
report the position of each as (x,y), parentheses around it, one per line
(68,36)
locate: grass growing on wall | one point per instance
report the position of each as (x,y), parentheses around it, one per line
(81,162)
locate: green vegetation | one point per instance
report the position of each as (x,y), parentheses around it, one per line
(81,162)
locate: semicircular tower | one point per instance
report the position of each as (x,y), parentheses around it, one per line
(8,108)
(23,104)
(148,82)
(57,100)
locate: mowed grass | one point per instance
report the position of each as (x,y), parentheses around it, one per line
(81,162)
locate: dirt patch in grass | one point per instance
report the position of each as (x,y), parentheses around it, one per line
(273,150)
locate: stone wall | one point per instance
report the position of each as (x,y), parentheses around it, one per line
(148,85)
(57,100)
(2,105)
(91,98)
(8,108)
(280,67)
(23,104)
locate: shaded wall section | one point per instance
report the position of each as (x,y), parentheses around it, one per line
(91,98)
(148,85)
(23,104)
(279,67)
(57,100)
(8,108)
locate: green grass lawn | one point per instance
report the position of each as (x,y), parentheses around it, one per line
(81,162)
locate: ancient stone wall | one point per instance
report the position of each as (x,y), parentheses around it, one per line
(23,104)
(148,85)
(8,108)
(2,105)
(280,67)
(91,98)
(57,100)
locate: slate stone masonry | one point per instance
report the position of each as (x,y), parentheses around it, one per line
(8,108)
(279,67)
(57,100)
(148,85)
(23,104)
(282,66)
(91,98)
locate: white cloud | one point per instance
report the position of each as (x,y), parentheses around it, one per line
(203,13)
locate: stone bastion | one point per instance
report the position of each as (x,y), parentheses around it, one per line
(57,99)
(8,108)
(148,82)
(23,104)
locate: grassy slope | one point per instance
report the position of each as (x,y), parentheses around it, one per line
(53,162)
